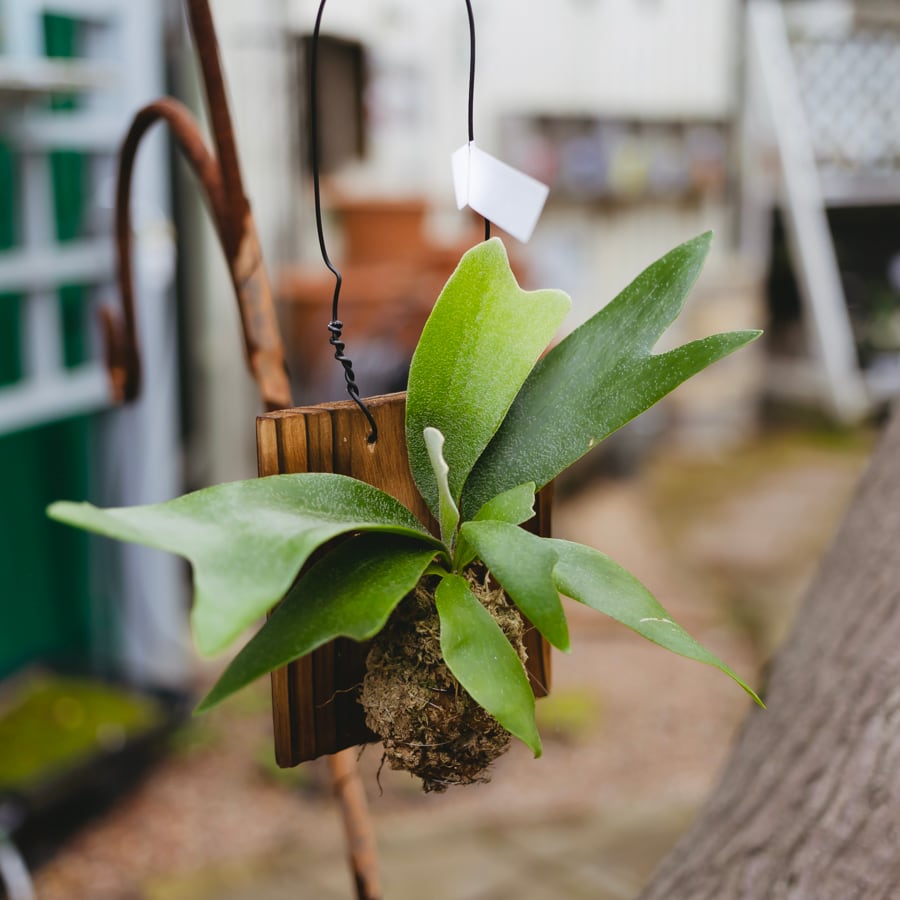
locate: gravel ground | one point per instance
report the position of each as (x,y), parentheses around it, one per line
(634,736)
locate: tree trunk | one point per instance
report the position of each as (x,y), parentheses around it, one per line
(809,804)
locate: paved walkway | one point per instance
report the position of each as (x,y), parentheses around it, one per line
(592,858)
(633,736)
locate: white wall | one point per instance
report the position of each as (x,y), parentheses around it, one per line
(637,57)
(642,58)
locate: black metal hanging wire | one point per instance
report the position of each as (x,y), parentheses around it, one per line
(336,326)
(487,221)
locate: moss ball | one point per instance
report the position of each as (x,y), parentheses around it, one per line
(428,724)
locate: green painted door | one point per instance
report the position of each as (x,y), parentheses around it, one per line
(47,613)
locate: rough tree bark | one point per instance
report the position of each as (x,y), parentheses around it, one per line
(809,804)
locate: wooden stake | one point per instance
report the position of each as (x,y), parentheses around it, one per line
(360,835)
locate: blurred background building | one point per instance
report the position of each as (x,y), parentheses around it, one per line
(628,110)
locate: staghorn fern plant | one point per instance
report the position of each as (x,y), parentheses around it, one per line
(489,422)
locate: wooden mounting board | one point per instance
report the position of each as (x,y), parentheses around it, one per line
(314,705)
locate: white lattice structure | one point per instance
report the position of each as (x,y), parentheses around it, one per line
(821,132)
(119,68)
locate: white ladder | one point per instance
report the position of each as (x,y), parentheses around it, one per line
(780,128)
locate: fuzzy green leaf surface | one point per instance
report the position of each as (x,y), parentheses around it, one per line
(247,540)
(592,578)
(514,506)
(476,350)
(484,662)
(523,564)
(351,592)
(599,378)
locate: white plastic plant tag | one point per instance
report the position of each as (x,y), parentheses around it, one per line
(505,196)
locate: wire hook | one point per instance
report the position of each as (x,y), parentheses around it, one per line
(336,326)
(471,14)
(220,176)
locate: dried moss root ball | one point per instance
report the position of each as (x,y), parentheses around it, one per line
(428,724)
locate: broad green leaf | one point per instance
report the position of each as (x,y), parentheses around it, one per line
(598,379)
(484,662)
(248,539)
(348,593)
(592,578)
(523,564)
(449,514)
(478,346)
(514,506)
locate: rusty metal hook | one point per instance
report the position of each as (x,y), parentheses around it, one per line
(220,177)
